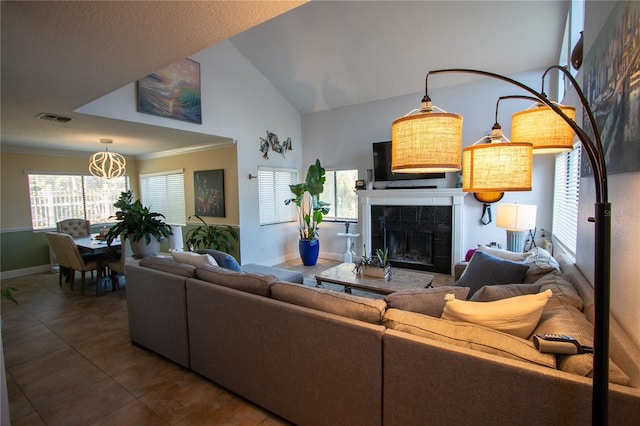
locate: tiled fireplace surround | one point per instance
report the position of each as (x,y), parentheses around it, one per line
(421,227)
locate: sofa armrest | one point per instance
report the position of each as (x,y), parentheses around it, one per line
(458,269)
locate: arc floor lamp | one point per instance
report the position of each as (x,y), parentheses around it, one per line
(431,141)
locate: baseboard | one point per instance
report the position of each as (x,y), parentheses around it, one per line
(25,271)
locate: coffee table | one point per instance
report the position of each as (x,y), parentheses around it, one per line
(401,279)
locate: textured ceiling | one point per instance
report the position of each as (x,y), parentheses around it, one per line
(58,56)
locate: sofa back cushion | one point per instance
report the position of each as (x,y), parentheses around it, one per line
(166,264)
(467,335)
(252,283)
(428,301)
(346,305)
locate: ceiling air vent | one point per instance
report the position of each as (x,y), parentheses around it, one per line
(53,117)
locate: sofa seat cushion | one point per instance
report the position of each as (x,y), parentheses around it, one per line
(467,335)
(485,269)
(330,301)
(428,301)
(166,264)
(251,283)
(518,315)
(280,273)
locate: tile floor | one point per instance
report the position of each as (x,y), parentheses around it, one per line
(69,361)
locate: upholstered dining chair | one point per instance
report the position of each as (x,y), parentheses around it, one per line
(75,227)
(117,264)
(67,252)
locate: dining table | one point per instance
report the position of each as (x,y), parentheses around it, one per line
(97,246)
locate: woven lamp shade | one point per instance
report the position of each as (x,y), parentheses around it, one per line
(545,129)
(426,142)
(497,167)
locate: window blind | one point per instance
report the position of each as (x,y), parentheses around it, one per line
(273,190)
(163,192)
(339,191)
(566,199)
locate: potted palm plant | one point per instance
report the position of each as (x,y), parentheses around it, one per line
(310,211)
(143,228)
(217,237)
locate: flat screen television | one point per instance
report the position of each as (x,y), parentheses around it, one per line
(382,166)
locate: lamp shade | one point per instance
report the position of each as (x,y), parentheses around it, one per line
(544,128)
(516,217)
(426,142)
(107,164)
(497,167)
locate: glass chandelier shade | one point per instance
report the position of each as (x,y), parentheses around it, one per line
(426,142)
(107,164)
(544,128)
(497,167)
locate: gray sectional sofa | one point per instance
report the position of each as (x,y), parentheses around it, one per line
(318,357)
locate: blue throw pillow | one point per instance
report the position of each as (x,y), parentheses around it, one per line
(485,269)
(224,260)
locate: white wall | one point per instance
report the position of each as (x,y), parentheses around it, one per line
(624,196)
(342,138)
(237,102)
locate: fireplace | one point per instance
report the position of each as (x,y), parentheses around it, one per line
(421,228)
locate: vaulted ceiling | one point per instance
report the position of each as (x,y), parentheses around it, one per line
(58,56)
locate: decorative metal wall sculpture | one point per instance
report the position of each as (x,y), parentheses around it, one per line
(272,142)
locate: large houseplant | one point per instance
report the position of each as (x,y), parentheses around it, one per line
(310,211)
(139,225)
(217,237)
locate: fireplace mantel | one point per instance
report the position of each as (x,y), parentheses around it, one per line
(414,197)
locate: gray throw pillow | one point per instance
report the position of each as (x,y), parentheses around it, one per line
(427,301)
(485,269)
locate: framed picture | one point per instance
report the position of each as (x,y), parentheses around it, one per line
(612,87)
(172,92)
(209,193)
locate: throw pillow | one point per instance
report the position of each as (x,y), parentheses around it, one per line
(428,301)
(517,316)
(503,254)
(467,335)
(540,263)
(490,293)
(224,260)
(485,269)
(194,259)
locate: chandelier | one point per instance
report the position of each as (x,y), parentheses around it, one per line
(107,164)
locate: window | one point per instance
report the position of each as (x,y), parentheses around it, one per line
(339,191)
(273,189)
(565,199)
(163,192)
(55,197)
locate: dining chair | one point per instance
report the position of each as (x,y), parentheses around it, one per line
(59,253)
(117,264)
(75,227)
(71,257)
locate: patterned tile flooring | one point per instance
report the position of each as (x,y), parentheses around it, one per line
(69,361)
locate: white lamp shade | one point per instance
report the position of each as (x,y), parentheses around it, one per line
(176,242)
(516,217)
(426,142)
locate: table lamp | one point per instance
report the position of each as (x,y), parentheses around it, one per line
(518,219)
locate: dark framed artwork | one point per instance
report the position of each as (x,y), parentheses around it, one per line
(209,193)
(611,83)
(172,92)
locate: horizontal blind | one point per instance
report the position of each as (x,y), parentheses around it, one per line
(566,199)
(273,190)
(339,191)
(163,192)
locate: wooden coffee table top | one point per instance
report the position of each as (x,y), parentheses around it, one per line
(401,279)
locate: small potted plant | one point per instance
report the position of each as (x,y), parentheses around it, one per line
(374,266)
(217,237)
(139,225)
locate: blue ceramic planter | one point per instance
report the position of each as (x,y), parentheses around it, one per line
(309,251)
